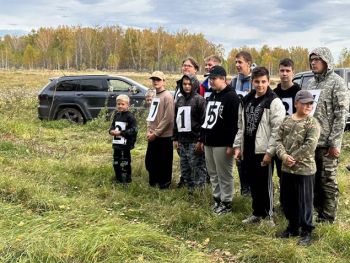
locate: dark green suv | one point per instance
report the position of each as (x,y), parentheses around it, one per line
(81,98)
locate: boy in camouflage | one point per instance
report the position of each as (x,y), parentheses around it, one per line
(295,145)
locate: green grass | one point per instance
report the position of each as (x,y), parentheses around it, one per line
(58,203)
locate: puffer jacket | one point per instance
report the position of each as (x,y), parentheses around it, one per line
(333,104)
(272,117)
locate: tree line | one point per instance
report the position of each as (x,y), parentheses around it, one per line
(114,48)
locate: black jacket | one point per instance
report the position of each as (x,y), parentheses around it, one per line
(197,104)
(130,131)
(222,109)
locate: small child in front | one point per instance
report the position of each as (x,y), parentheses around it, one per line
(124,131)
(295,146)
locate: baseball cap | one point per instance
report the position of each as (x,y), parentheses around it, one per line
(158,75)
(217,71)
(304,96)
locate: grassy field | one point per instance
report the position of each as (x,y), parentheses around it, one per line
(58,203)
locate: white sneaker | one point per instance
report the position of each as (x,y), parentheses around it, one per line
(251,220)
(269,221)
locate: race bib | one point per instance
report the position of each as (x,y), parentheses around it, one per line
(119,126)
(153,109)
(183,119)
(211,114)
(288,104)
(207,94)
(316,94)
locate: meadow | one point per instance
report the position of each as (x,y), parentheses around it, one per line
(58,202)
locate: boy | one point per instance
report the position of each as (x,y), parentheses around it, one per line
(189,116)
(160,121)
(286,91)
(296,144)
(150,94)
(219,130)
(124,131)
(261,115)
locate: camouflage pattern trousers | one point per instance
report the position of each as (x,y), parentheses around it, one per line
(192,165)
(326,187)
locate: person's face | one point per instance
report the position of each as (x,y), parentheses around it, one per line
(209,64)
(303,109)
(158,83)
(217,83)
(286,74)
(318,66)
(148,100)
(122,106)
(242,66)
(260,85)
(188,68)
(186,85)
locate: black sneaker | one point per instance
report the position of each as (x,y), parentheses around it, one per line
(224,208)
(305,239)
(288,233)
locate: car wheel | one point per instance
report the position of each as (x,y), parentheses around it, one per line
(71,114)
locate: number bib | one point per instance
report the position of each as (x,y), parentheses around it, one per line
(288,104)
(119,126)
(211,114)
(153,109)
(183,119)
(316,94)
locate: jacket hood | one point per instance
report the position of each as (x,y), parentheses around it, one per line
(194,82)
(325,54)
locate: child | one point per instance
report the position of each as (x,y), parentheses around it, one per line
(124,131)
(261,115)
(150,94)
(296,143)
(219,130)
(189,116)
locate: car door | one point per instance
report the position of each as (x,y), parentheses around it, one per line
(93,94)
(115,88)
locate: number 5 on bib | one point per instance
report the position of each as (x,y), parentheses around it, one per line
(211,114)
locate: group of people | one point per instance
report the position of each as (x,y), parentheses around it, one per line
(213,123)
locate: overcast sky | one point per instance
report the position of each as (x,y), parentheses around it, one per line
(232,23)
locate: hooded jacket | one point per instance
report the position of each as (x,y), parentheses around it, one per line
(333,104)
(197,113)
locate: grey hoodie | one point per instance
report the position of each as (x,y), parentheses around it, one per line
(333,103)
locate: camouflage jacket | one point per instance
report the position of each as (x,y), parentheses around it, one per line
(298,138)
(333,103)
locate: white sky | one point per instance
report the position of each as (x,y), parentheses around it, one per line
(232,23)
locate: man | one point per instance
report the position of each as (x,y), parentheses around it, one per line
(331,111)
(286,91)
(211,61)
(159,155)
(242,83)
(218,134)
(262,113)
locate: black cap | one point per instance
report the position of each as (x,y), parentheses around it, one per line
(217,71)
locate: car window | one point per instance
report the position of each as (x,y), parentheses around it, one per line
(118,85)
(348,78)
(92,85)
(306,80)
(67,85)
(297,80)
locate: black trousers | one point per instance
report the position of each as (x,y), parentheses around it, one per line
(261,186)
(297,200)
(122,165)
(159,162)
(243,177)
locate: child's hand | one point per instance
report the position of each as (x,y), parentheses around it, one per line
(237,154)
(176,145)
(115,133)
(199,148)
(289,160)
